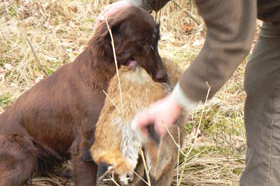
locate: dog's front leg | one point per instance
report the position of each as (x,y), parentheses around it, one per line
(84,172)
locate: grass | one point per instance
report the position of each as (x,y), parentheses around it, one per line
(58,32)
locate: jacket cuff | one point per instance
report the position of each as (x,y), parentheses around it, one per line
(179,96)
(141,3)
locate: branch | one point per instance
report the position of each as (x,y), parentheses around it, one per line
(30,45)
(34,54)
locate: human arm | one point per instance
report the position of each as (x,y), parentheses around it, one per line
(230,30)
(149,4)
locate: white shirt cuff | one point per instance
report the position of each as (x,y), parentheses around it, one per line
(180,97)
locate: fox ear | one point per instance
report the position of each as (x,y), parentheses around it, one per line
(87,156)
(103,168)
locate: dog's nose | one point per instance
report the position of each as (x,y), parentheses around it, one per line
(161,76)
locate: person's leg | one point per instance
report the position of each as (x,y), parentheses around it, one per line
(262,111)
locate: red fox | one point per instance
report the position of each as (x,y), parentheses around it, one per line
(117,145)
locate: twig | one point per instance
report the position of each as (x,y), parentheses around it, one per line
(116,62)
(187,12)
(173,139)
(112,101)
(113,180)
(140,178)
(30,45)
(34,53)
(145,166)
(196,135)
(178,156)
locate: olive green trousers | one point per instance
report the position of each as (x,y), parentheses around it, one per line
(262,111)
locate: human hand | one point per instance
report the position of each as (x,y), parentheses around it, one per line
(162,113)
(111,10)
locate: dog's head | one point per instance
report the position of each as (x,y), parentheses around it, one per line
(135,36)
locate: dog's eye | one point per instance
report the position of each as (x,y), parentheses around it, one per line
(155,39)
(146,46)
(142,43)
(154,36)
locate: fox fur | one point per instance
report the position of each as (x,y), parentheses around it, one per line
(117,145)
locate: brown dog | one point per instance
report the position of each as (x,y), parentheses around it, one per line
(116,147)
(54,121)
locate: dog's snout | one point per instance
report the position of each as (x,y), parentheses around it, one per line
(161,76)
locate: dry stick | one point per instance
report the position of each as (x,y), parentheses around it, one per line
(30,45)
(140,178)
(119,84)
(178,156)
(34,53)
(113,103)
(116,62)
(174,141)
(113,180)
(177,145)
(188,13)
(196,135)
(145,166)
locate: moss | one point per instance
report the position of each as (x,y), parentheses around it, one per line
(4,100)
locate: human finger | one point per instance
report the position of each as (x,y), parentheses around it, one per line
(141,120)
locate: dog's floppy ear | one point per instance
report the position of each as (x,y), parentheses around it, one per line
(101,40)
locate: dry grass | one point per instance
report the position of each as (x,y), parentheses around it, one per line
(58,31)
